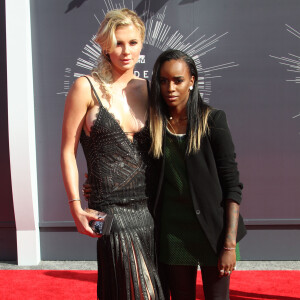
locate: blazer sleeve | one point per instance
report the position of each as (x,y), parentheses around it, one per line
(223,150)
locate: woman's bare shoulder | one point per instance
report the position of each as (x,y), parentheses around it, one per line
(81,92)
(82,82)
(139,80)
(139,85)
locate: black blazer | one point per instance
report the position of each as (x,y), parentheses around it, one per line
(213,178)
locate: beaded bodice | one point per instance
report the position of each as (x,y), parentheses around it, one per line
(117,167)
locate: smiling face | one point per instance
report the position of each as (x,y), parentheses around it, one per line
(127,51)
(175,83)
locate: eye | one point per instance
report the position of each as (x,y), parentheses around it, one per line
(119,43)
(162,80)
(133,43)
(178,80)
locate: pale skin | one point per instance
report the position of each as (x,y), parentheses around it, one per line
(175,81)
(128,104)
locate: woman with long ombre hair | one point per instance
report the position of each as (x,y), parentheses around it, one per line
(197,203)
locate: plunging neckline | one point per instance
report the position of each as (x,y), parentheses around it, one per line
(119,125)
(101,106)
(113,117)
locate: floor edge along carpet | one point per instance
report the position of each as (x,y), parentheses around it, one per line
(53,284)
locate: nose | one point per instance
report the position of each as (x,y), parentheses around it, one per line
(171,86)
(126,49)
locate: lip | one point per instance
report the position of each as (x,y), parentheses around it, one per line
(171,98)
(126,61)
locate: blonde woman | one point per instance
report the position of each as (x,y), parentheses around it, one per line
(107,113)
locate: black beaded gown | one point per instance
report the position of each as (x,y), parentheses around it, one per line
(120,174)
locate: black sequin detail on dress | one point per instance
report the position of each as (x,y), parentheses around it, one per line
(119,172)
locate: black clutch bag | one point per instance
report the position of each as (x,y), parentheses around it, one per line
(103,225)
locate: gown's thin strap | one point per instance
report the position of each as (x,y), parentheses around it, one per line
(94,90)
(148,87)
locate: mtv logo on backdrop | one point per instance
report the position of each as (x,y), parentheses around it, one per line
(141,59)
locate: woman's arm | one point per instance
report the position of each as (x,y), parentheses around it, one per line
(77,103)
(227,258)
(232,221)
(223,149)
(224,154)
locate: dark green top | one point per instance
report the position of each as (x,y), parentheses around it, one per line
(182,240)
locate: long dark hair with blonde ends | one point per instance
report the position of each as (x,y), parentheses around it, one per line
(197,110)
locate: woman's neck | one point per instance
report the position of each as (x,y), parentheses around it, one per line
(121,79)
(178,114)
(177,122)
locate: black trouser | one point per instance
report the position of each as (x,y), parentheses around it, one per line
(180,281)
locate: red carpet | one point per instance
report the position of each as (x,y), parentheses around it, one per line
(81,285)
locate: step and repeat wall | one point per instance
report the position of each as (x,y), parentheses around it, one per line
(248,58)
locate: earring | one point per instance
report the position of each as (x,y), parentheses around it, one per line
(106,54)
(191,88)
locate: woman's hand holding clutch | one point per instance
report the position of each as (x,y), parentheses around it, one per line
(82,219)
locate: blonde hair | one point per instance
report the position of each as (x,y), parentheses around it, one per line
(106,39)
(158,122)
